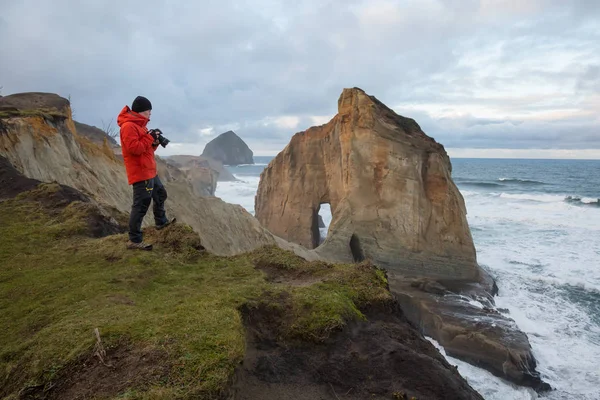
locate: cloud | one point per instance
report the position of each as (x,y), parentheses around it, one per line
(473,73)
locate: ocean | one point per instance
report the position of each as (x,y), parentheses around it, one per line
(536,227)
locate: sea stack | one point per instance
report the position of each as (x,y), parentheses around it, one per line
(229,149)
(389,186)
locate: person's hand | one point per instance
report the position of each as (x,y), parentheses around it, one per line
(154,134)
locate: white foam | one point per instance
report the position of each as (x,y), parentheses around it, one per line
(541,248)
(468,193)
(325,213)
(546,198)
(488,385)
(240,192)
(475,303)
(589,200)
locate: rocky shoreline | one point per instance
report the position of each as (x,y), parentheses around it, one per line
(461,317)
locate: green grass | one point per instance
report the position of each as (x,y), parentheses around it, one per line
(57,285)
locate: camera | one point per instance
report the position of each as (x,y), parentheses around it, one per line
(157,135)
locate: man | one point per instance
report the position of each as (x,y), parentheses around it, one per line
(138,147)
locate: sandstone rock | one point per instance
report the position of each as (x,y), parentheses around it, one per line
(26,104)
(46,147)
(101,220)
(95,134)
(229,149)
(389,186)
(185,162)
(202,180)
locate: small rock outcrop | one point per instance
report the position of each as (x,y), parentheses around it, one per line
(389,186)
(203,180)
(462,317)
(188,163)
(229,149)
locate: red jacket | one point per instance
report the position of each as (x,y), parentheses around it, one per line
(136,144)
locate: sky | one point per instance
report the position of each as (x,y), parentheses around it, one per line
(486,78)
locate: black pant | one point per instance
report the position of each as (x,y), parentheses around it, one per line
(143,193)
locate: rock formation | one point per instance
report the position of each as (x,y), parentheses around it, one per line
(38,137)
(203,180)
(95,134)
(462,317)
(393,202)
(388,183)
(229,149)
(186,163)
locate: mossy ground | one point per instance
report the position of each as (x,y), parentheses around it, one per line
(57,285)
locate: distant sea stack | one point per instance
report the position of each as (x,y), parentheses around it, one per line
(230,149)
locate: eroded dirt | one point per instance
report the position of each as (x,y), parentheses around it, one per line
(89,378)
(384,358)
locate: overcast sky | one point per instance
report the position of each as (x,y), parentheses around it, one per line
(477,75)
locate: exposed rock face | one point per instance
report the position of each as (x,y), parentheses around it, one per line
(473,331)
(185,162)
(35,103)
(229,149)
(42,144)
(389,186)
(384,358)
(202,180)
(393,201)
(101,221)
(96,135)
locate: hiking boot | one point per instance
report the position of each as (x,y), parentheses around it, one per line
(139,246)
(169,222)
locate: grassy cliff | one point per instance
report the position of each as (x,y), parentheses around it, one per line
(169,321)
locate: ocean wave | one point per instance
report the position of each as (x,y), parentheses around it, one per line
(521,181)
(468,193)
(482,184)
(568,282)
(583,201)
(248,179)
(541,198)
(553,198)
